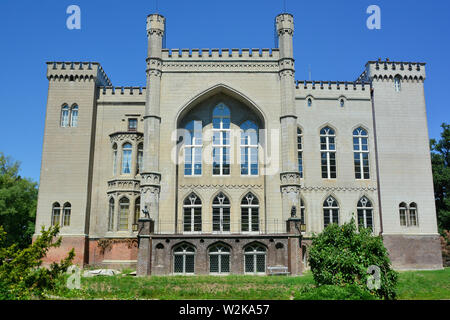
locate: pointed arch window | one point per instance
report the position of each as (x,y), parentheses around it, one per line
(193,148)
(330,211)
(361,153)
(250,213)
(219,259)
(124,212)
(74,116)
(221,213)
(328,153)
(413,214)
(365,213)
(221,140)
(184,259)
(309,102)
(65,116)
(192,214)
(255,259)
(398,83)
(111,213)
(140,158)
(300,151)
(249,148)
(114,164)
(127,150)
(403,208)
(66,214)
(56,214)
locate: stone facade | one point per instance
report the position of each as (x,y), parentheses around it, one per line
(164,177)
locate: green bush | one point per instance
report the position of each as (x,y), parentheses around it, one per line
(21,274)
(333,292)
(341,256)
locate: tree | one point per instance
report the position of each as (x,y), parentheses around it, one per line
(440,160)
(341,256)
(18,199)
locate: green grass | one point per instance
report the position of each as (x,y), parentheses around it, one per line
(412,285)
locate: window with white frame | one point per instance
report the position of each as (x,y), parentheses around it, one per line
(56,214)
(249,148)
(330,211)
(193,148)
(66,214)
(250,213)
(219,259)
(361,153)
(74,116)
(124,212)
(221,213)
(111,213)
(328,153)
(255,259)
(221,140)
(403,208)
(413,214)
(365,213)
(184,259)
(192,210)
(300,151)
(65,116)
(127,150)
(408,214)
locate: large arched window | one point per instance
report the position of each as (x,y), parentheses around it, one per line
(114,164)
(140,158)
(127,150)
(361,153)
(221,213)
(184,259)
(300,151)
(219,259)
(111,213)
(365,213)
(192,209)
(328,153)
(56,214)
(193,148)
(124,212)
(67,209)
(402,212)
(255,259)
(221,140)
(249,148)
(65,116)
(413,214)
(74,116)
(330,211)
(250,213)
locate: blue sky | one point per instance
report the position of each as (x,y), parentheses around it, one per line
(331,38)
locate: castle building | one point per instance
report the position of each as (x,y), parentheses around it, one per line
(224,163)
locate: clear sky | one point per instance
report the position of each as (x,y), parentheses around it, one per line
(331,38)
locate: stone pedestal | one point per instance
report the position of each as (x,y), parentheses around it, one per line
(293,228)
(146,229)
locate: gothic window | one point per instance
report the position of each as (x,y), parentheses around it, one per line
(365,213)
(309,101)
(330,211)
(137,210)
(114,159)
(193,148)
(328,153)
(250,213)
(126,158)
(300,151)
(255,259)
(66,214)
(302,211)
(184,259)
(221,213)
(413,214)
(342,102)
(74,116)
(65,116)
(111,214)
(402,211)
(192,208)
(124,211)
(397,83)
(361,153)
(140,158)
(219,259)
(221,140)
(249,148)
(56,214)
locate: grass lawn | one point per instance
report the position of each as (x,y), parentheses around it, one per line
(412,285)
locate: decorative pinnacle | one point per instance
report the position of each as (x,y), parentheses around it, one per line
(156,22)
(284,22)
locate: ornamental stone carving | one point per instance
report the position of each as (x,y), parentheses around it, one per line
(123,185)
(119,137)
(150,178)
(290,178)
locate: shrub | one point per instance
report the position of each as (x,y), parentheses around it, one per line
(341,256)
(21,274)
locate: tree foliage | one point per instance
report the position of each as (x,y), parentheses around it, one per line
(341,256)
(440,160)
(18,199)
(21,274)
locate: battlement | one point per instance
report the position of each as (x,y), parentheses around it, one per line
(284,22)
(256,54)
(156,22)
(332,85)
(125,91)
(77,71)
(388,70)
